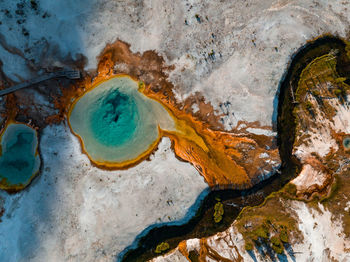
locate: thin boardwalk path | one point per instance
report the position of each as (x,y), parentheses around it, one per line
(71,74)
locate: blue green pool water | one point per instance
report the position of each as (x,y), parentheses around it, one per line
(19,160)
(115,119)
(116,122)
(346,142)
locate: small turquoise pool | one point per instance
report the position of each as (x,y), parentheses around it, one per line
(19,160)
(116,123)
(346,143)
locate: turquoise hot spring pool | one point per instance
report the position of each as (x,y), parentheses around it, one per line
(19,160)
(116,123)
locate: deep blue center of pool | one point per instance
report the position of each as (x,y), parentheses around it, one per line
(18,160)
(117,123)
(114,118)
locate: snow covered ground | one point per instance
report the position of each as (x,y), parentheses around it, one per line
(76,212)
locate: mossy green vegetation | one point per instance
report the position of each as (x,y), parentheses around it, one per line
(320,81)
(261,231)
(320,75)
(218,212)
(331,76)
(284,235)
(316,69)
(347,48)
(162,247)
(335,201)
(141,86)
(277,245)
(290,189)
(249,246)
(270,223)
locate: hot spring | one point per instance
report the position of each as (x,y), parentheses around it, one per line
(19,159)
(117,124)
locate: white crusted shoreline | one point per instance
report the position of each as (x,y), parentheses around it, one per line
(76,212)
(229,51)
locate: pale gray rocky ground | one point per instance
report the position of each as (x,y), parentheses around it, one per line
(230,51)
(224,49)
(323,237)
(76,212)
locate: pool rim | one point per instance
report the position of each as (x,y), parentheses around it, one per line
(4,185)
(108,165)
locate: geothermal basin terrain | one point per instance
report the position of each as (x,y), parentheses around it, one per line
(198,131)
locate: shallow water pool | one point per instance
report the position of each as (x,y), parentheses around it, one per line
(116,123)
(19,160)
(346,143)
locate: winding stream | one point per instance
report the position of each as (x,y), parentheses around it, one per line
(202,225)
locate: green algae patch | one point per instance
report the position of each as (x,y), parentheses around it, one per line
(162,247)
(269,224)
(116,124)
(218,212)
(19,158)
